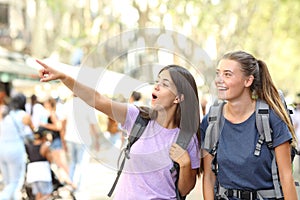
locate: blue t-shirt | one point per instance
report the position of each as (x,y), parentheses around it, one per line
(239,168)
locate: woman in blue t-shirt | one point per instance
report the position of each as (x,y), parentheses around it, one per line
(241,79)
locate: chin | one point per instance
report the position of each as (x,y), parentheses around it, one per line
(222,97)
(157,107)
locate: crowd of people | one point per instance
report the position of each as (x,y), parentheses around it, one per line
(38,137)
(237,164)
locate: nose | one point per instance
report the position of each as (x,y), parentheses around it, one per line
(157,85)
(219,78)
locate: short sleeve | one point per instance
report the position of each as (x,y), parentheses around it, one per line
(131,115)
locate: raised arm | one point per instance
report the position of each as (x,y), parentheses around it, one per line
(114,110)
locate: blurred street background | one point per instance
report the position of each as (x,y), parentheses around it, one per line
(118,46)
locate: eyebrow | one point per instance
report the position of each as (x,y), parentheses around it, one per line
(164,79)
(226,70)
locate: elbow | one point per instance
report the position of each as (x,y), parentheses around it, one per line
(187,188)
(186,192)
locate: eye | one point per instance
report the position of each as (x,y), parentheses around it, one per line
(165,84)
(227,74)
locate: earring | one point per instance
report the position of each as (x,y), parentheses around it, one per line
(254,95)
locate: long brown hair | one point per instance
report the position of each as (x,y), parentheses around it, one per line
(187,116)
(262,85)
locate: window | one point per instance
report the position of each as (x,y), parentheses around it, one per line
(4,9)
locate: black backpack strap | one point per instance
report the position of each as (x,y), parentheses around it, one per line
(136,132)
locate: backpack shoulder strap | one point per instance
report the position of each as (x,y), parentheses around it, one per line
(136,132)
(262,125)
(215,125)
(184,138)
(264,130)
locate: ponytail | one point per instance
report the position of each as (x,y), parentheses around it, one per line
(270,94)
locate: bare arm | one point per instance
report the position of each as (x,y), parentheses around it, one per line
(45,151)
(93,98)
(27,121)
(56,124)
(209,177)
(283,159)
(63,133)
(187,175)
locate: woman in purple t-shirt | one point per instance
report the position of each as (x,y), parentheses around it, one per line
(174,109)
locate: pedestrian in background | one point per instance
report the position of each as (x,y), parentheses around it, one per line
(296,122)
(135,98)
(80,130)
(57,146)
(175,107)
(38,174)
(12,148)
(36,110)
(114,134)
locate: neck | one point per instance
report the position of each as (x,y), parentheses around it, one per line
(166,119)
(237,112)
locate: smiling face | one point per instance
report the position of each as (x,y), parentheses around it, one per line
(230,80)
(164,91)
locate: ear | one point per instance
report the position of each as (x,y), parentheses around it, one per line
(179,98)
(249,81)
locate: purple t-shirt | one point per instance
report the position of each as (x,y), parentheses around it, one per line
(146,175)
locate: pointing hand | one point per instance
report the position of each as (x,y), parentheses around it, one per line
(48,73)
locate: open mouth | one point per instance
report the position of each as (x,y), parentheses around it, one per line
(154,96)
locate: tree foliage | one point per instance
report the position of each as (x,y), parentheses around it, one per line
(268,29)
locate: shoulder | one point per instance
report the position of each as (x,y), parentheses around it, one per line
(203,127)
(204,122)
(274,118)
(132,109)
(280,129)
(131,115)
(21,113)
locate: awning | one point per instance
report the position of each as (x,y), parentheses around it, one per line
(13,66)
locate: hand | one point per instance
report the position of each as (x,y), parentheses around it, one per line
(179,155)
(48,73)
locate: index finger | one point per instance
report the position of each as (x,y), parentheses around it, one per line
(41,63)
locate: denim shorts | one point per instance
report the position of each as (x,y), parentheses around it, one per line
(41,187)
(56,144)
